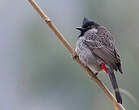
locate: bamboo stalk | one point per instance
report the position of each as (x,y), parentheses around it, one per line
(72,52)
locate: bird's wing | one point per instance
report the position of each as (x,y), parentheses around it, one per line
(102,52)
(103,48)
(105,37)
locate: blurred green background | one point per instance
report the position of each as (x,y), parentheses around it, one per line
(38,73)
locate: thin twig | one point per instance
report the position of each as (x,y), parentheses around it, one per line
(72,52)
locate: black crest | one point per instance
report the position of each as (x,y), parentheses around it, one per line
(87,22)
(86,25)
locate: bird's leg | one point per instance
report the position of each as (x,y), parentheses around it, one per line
(96,73)
(74,56)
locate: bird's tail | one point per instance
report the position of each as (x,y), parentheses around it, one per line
(114,85)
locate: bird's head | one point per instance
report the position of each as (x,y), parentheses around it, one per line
(87,24)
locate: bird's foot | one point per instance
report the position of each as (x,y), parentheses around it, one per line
(74,56)
(96,73)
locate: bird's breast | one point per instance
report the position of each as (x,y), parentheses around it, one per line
(86,56)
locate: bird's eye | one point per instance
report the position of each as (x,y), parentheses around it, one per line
(89,27)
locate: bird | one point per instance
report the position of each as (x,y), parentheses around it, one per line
(96,49)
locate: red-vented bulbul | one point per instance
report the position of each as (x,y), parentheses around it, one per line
(96,49)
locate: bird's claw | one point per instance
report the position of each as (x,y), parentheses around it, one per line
(75,55)
(96,73)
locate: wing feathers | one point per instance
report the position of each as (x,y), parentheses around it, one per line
(104,49)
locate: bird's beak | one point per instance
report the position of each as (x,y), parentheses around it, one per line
(79,28)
